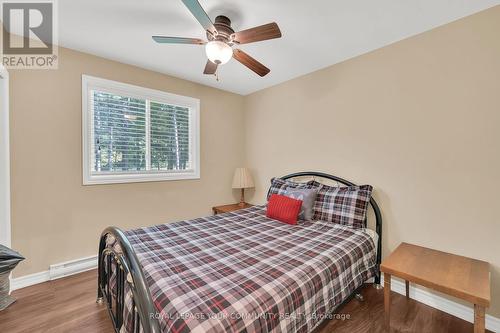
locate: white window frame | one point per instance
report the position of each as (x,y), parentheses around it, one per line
(90,83)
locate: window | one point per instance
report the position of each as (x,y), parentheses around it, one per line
(134,134)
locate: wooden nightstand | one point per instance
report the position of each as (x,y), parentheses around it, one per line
(462,277)
(229,208)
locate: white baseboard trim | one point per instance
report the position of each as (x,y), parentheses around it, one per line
(29,280)
(55,272)
(438,302)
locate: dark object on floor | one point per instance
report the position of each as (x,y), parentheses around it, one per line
(8,261)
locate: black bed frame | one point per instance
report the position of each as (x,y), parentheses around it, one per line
(123,259)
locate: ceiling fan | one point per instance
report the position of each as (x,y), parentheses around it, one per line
(221,39)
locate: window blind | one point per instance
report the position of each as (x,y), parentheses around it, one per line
(120,140)
(119,130)
(169,137)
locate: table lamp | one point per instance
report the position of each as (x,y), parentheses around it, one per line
(242,179)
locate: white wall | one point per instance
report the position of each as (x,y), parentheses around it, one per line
(4,159)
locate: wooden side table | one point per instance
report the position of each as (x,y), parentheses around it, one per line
(229,208)
(462,277)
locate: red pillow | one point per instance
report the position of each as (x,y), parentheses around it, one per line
(283,208)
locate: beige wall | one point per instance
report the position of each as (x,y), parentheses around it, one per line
(54,217)
(419,120)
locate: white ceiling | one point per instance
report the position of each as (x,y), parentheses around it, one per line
(316,33)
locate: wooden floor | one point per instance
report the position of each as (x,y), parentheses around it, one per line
(68,305)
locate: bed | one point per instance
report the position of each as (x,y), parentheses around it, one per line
(235,272)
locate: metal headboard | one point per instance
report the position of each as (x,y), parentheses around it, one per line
(373,203)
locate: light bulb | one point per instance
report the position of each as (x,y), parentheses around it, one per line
(218,52)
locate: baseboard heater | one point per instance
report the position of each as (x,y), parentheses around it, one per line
(72,267)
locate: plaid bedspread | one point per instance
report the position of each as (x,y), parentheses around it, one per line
(243,272)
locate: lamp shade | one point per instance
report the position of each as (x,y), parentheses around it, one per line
(242,178)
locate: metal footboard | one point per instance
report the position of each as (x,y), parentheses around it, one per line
(128,273)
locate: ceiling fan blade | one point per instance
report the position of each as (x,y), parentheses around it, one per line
(263,32)
(250,62)
(210,68)
(200,14)
(177,40)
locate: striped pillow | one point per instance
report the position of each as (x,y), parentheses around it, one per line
(283,209)
(343,205)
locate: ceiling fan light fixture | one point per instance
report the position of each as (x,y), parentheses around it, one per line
(221,39)
(218,52)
